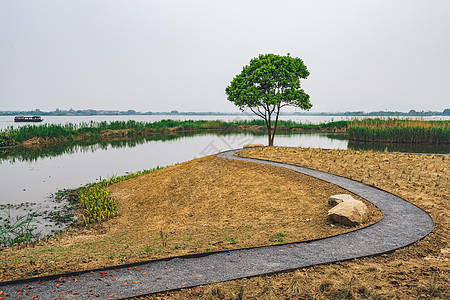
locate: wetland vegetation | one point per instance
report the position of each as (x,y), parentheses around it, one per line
(45,133)
(399,131)
(366,130)
(96,202)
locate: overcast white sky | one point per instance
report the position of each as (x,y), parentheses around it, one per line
(166,55)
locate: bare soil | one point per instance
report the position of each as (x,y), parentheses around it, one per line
(419,271)
(202,205)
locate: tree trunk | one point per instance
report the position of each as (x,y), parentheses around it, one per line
(274,130)
(269,131)
(269,125)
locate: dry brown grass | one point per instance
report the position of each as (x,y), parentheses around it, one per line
(206,204)
(419,271)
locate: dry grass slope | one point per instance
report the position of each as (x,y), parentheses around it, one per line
(202,205)
(419,271)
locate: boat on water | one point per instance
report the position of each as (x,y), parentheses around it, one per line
(28,119)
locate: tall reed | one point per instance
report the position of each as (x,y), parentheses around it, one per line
(399,131)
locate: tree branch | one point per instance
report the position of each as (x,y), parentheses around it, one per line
(258,113)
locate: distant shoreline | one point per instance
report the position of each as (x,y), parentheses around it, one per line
(91,112)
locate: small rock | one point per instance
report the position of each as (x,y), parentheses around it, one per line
(349,212)
(253,145)
(336,199)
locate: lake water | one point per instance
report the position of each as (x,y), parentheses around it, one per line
(28,178)
(33,176)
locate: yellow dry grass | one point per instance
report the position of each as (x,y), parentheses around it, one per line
(419,271)
(202,205)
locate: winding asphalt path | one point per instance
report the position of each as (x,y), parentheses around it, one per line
(402,224)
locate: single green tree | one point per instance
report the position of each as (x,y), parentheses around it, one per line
(267,84)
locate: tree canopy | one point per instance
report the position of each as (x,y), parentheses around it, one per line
(267,84)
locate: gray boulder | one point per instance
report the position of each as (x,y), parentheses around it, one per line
(349,212)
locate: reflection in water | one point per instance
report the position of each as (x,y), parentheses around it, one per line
(400,147)
(23,154)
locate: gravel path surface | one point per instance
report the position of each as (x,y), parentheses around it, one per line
(402,224)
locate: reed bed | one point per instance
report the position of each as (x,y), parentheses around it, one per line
(399,131)
(131,128)
(97,203)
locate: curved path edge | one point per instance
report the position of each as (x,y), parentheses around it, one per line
(403,224)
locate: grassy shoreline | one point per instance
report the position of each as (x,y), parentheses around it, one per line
(366,130)
(52,133)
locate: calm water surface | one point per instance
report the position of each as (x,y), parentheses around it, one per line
(26,179)
(33,177)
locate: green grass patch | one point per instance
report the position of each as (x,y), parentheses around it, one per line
(97,203)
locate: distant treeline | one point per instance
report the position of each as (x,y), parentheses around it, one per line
(93,112)
(131,112)
(411,113)
(133,129)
